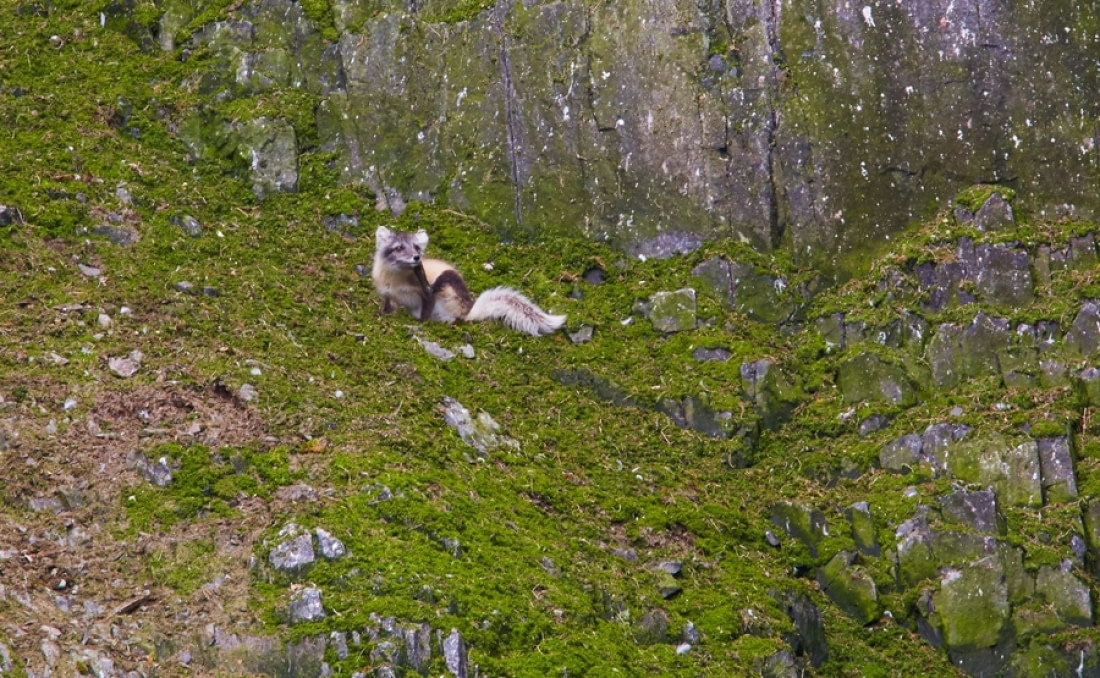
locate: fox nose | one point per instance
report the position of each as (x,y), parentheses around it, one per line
(416,258)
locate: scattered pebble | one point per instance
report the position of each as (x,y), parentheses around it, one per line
(125,367)
(248,393)
(435,349)
(582,335)
(90,271)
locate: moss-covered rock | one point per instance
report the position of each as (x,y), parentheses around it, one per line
(850,588)
(867,378)
(972,606)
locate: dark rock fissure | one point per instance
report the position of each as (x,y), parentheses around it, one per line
(511,104)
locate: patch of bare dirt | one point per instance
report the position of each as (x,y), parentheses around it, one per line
(76,594)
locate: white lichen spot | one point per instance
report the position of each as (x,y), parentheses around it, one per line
(867,18)
(460,97)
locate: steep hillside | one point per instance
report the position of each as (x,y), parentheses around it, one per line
(218,456)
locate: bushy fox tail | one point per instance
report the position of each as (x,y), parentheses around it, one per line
(515,310)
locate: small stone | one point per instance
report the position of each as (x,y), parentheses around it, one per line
(331,548)
(294,555)
(119,235)
(104,320)
(582,335)
(10,215)
(188,224)
(1056,464)
(159,473)
(481,434)
(248,393)
(52,504)
(672,567)
(338,641)
(125,367)
(667,585)
(550,567)
(90,271)
(653,628)
(185,286)
(435,349)
(593,275)
(673,311)
(296,493)
(690,634)
(1069,596)
(704,355)
(875,422)
(467,351)
(306,606)
(975,509)
(772,540)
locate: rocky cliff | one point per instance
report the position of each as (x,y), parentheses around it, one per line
(218,456)
(817,127)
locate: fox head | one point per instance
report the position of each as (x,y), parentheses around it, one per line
(401,249)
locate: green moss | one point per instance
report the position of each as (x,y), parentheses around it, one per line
(455,11)
(974,197)
(205,482)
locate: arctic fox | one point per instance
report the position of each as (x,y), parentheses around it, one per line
(432,288)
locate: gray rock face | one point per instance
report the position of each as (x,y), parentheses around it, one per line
(1083,336)
(972,605)
(1069,596)
(867,378)
(418,650)
(758,295)
(809,635)
(1056,464)
(996,214)
(534,115)
(956,353)
(454,654)
(975,509)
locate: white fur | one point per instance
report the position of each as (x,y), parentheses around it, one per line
(515,310)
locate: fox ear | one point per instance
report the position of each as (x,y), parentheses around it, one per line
(382,236)
(421,238)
